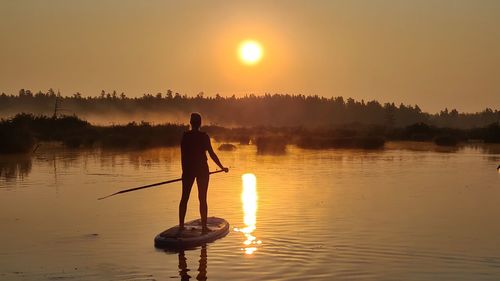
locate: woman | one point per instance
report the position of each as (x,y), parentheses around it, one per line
(194,146)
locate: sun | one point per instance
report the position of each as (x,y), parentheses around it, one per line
(250,52)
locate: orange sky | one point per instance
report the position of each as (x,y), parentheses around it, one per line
(433,53)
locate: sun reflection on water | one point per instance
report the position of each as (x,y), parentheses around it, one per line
(249,200)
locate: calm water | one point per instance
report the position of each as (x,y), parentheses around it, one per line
(410,212)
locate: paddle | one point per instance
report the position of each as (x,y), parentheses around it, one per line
(150,185)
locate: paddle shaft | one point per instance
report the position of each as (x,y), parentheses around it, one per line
(150,185)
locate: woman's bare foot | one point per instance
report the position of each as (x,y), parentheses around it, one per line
(179,231)
(205,230)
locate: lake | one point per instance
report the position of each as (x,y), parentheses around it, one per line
(412,211)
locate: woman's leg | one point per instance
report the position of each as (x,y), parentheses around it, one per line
(202,182)
(187,184)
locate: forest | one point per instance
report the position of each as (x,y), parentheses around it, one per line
(281,110)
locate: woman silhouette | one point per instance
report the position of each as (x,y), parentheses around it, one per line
(194,146)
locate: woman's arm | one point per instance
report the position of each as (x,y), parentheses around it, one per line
(214,157)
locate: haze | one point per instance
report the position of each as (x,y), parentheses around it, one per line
(435,54)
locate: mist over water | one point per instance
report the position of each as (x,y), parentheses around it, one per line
(410,212)
(250,110)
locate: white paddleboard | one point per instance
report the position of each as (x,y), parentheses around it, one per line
(192,235)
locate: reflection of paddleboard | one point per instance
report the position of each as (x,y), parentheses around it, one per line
(192,236)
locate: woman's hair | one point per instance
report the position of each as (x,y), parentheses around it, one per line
(195,120)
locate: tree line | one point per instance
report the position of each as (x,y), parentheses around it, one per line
(248,110)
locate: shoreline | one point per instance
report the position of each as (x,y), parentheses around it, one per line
(23,132)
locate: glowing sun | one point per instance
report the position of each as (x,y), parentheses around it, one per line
(250,52)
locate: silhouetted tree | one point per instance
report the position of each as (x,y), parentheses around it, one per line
(249,110)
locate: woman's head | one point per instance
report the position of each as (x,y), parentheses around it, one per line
(195,121)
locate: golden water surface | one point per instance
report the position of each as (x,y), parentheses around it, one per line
(409,212)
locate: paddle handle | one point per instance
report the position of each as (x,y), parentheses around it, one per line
(151,185)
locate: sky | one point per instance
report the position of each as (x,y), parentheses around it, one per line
(435,54)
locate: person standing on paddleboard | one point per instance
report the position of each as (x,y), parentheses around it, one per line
(194,146)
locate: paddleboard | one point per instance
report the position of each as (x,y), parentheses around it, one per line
(192,236)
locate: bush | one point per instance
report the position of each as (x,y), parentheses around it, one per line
(341,142)
(446,140)
(370,142)
(271,145)
(15,140)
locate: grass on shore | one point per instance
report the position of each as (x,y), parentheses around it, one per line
(20,133)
